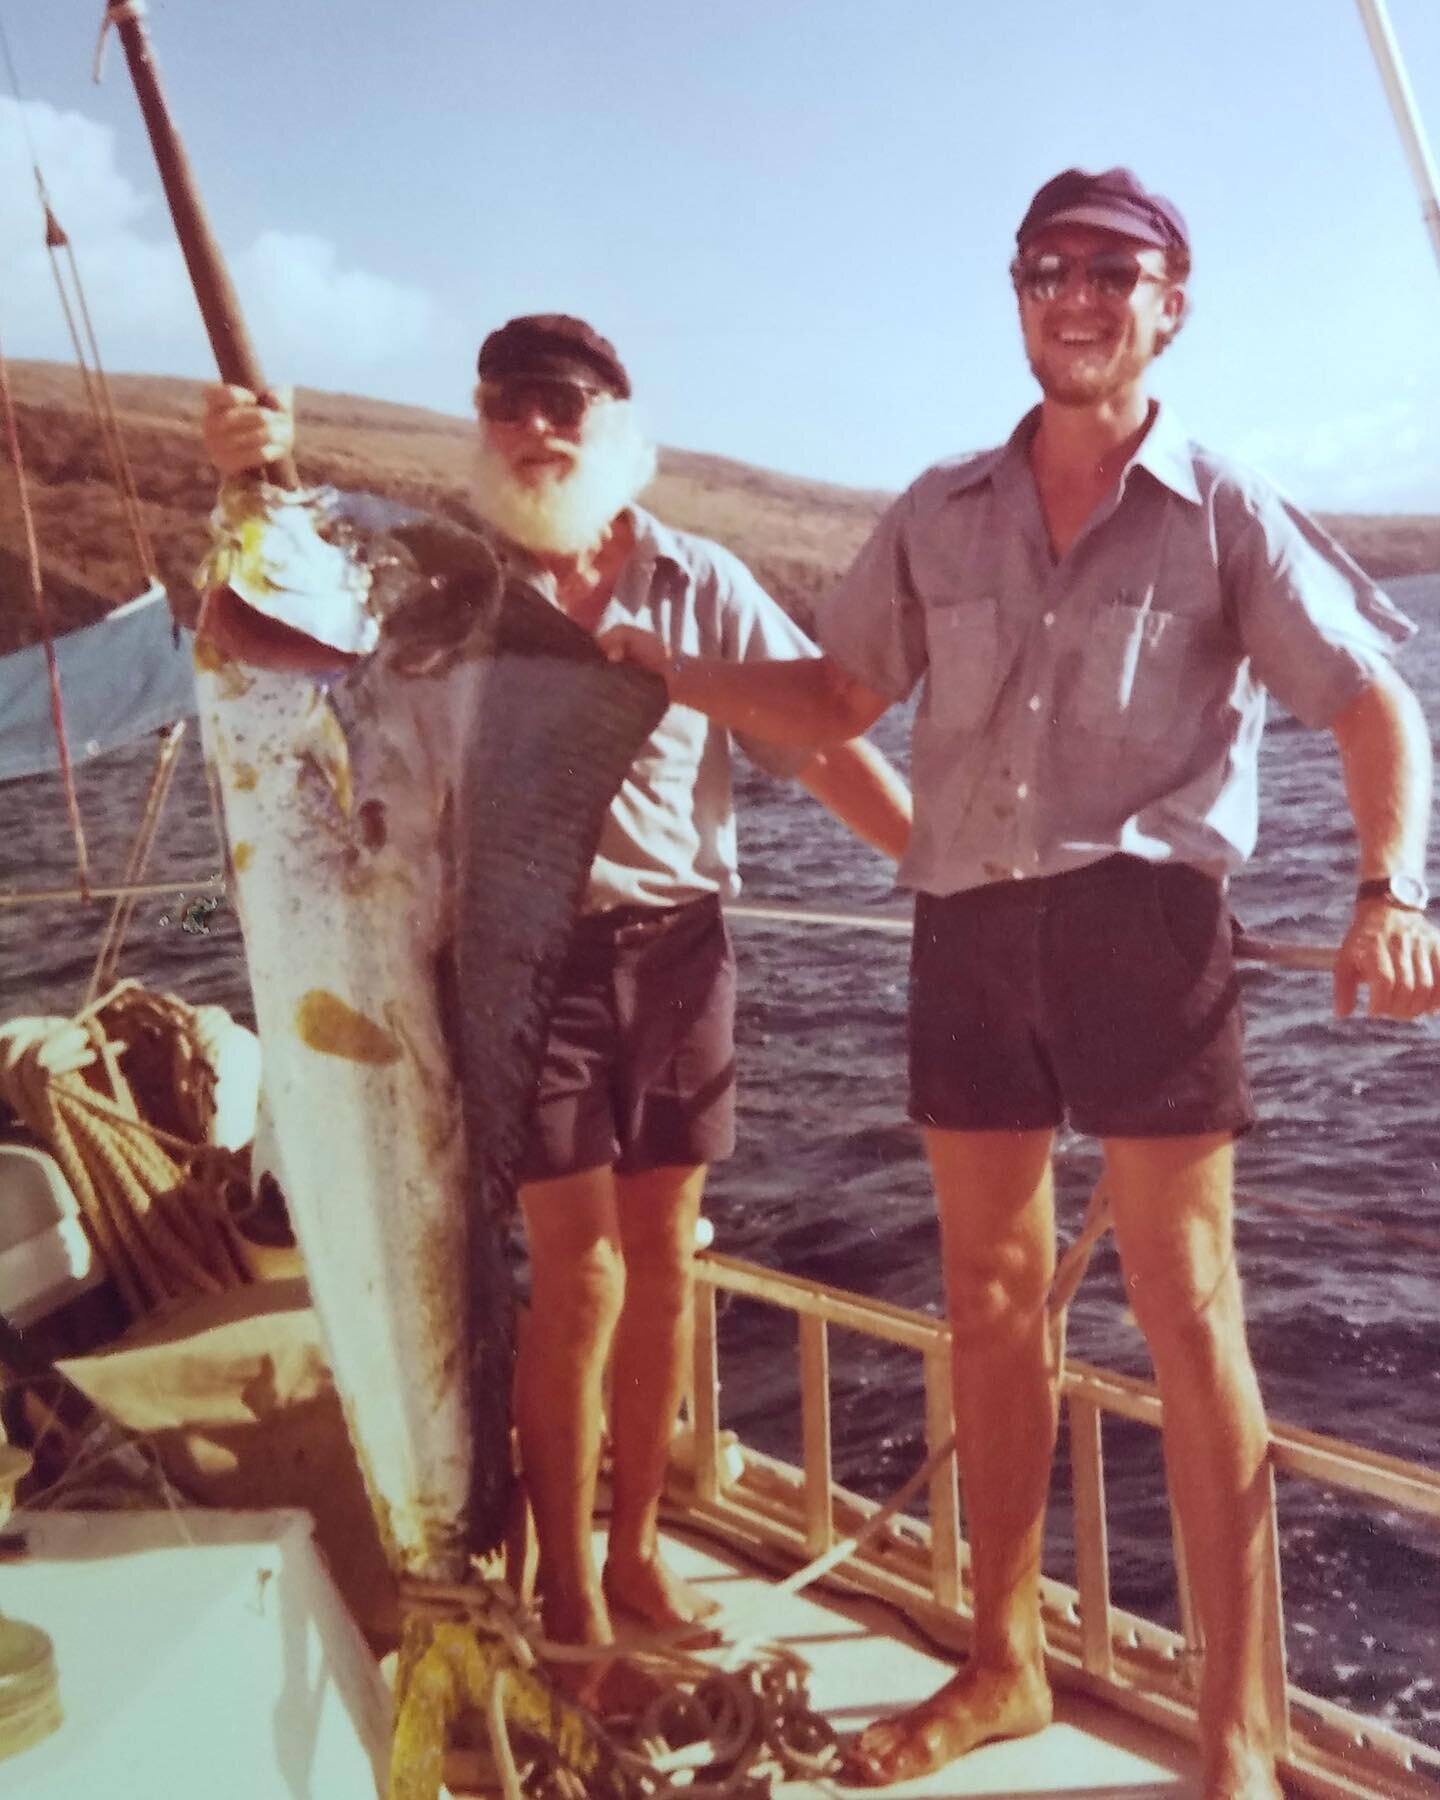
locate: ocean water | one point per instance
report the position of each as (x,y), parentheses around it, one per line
(1338,1228)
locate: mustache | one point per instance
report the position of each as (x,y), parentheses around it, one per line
(558,446)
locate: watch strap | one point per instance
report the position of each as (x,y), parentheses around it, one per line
(1408,891)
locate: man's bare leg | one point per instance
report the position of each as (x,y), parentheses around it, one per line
(997,1235)
(657,1213)
(577,1286)
(1173,1206)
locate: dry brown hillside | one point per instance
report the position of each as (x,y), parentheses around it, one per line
(797,535)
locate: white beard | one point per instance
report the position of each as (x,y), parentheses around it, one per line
(569,510)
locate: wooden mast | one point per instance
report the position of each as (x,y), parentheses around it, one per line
(219,303)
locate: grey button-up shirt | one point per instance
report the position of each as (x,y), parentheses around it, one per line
(1113,700)
(670,834)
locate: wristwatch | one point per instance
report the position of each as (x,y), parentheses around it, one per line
(1408,891)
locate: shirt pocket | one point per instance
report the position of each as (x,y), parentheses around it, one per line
(963,644)
(1131,670)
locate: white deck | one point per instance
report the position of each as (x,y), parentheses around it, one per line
(866,1664)
(208,1654)
(201,1654)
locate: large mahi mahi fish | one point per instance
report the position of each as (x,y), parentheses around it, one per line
(401,1178)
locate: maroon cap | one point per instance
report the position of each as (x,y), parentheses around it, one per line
(552,347)
(1112,201)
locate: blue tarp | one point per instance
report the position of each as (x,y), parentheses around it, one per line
(120,679)
(125,676)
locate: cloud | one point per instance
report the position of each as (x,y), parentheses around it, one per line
(313,318)
(1385,459)
(297,292)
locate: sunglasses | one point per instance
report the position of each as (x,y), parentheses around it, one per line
(561,403)
(1113,274)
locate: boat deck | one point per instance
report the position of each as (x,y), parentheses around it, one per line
(867,1663)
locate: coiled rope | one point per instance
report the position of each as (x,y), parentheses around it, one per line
(160,1205)
(712,1732)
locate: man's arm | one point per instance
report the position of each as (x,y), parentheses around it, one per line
(1385,753)
(805,700)
(864,791)
(241,634)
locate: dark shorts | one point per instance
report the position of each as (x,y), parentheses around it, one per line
(639,1072)
(1106,996)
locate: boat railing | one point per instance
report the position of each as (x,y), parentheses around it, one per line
(1279,954)
(1143,1666)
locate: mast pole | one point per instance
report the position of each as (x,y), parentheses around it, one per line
(1407,115)
(219,303)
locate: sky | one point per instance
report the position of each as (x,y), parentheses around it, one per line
(793,217)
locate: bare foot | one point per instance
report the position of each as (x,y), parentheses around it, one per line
(647,1592)
(584,1621)
(973,1707)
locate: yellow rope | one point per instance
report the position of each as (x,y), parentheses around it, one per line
(159,1204)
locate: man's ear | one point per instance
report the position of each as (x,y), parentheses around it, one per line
(1177,311)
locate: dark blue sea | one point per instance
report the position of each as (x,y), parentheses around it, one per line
(829,1180)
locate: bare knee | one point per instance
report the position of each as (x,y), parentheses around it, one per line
(660,1273)
(995,1297)
(1189,1313)
(580,1294)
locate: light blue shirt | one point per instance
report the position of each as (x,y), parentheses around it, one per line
(670,833)
(1113,700)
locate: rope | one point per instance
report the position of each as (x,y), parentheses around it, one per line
(117,12)
(108,957)
(97,391)
(714,1733)
(140,890)
(102,401)
(160,1206)
(37,591)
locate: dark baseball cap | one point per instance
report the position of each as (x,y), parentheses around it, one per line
(1114,200)
(552,347)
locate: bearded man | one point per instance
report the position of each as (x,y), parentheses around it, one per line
(636,1096)
(1093,612)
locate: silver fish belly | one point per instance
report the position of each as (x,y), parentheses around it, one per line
(401,1178)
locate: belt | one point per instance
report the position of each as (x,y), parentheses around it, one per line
(640,921)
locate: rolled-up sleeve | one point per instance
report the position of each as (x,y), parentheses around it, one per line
(1315,627)
(872,623)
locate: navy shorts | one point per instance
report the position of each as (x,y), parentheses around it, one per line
(1107,996)
(639,1072)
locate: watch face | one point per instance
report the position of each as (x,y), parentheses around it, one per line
(1409,890)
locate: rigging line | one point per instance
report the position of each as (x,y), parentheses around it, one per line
(37,592)
(107,961)
(1324,1215)
(205,885)
(9,59)
(101,402)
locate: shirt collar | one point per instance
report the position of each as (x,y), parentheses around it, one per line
(1165,454)
(656,548)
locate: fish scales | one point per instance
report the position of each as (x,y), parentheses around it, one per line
(340,921)
(556,731)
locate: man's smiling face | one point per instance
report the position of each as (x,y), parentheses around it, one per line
(1086,340)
